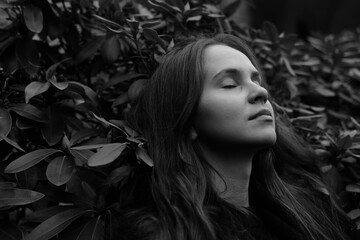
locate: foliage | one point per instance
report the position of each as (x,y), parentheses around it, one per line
(69,70)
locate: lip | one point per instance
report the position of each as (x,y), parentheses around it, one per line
(264,112)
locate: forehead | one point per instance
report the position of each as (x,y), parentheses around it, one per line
(220,57)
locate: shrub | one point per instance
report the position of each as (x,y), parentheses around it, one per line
(69,70)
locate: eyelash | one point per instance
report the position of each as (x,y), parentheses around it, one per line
(229,86)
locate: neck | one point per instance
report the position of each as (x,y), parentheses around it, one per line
(234,167)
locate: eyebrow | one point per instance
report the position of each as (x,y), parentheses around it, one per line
(234,71)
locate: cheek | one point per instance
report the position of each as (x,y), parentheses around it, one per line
(216,116)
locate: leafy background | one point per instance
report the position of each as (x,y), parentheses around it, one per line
(68,70)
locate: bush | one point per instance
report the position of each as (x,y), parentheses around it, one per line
(69,70)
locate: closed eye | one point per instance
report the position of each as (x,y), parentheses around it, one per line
(228,82)
(229,86)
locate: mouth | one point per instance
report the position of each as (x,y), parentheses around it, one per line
(265,113)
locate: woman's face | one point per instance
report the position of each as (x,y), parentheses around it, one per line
(233,107)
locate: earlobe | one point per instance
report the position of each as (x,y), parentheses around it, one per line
(193,133)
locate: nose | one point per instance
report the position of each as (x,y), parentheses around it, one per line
(258,94)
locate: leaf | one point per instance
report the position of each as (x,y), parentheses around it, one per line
(33,17)
(29,111)
(82,135)
(153,36)
(121,77)
(5,122)
(118,174)
(141,154)
(24,123)
(110,49)
(288,66)
(82,155)
(15,197)
(28,55)
(103,120)
(324,91)
(95,146)
(345,142)
(7,185)
(93,230)
(83,89)
(136,89)
(88,192)
(28,160)
(354,214)
(355,188)
(50,72)
(60,170)
(28,178)
(11,142)
(231,8)
(43,214)
(163,6)
(53,130)
(55,224)
(35,88)
(90,49)
(123,98)
(271,31)
(58,85)
(106,154)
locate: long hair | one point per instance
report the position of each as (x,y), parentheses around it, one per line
(285,183)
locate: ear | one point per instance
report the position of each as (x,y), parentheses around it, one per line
(193,133)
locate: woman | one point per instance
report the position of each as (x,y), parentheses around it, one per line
(225,164)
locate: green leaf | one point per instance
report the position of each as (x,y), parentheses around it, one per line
(55,224)
(90,49)
(30,112)
(15,197)
(35,88)
(119,174)
(106,154)
(29,160)
(93,230)
(60,170)
(5,122)
(33,17)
